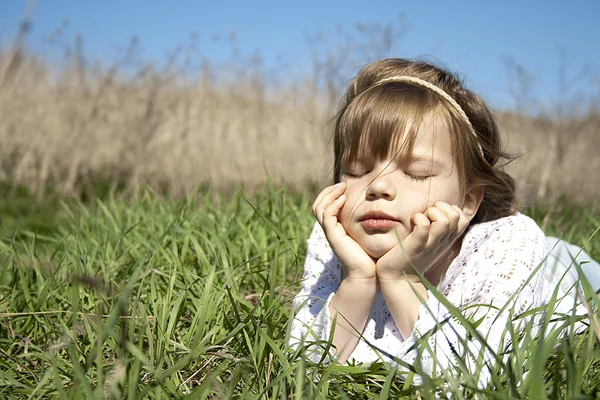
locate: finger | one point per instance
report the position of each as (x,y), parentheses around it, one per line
(325,198)
(330,200)
(440,224)
(415,242)
(324,192)
(463,221)
(320,197)
(330,214)
(453,213)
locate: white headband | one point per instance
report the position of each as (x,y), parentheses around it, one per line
(431,86)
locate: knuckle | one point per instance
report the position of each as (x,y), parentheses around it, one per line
(444,221)
(452,212)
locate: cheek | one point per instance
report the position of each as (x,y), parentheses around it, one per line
(447,191)
(353,201)
(416,203)
(416,198)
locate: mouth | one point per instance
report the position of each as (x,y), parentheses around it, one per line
(378,220)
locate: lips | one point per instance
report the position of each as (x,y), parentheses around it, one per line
(378,220)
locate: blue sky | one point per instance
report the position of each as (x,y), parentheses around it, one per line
(471,37)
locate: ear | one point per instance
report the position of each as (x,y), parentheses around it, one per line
(472,200)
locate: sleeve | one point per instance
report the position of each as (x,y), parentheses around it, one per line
(322,276)
(571,261)
(496,286)
(572,276)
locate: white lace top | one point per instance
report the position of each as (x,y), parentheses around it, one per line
(496,265)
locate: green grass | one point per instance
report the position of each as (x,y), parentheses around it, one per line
(156,298)
(573,222)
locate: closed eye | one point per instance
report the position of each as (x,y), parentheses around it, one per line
(355,171)
(417,177)
(352,175)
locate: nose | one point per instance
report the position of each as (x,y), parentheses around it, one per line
(381,188)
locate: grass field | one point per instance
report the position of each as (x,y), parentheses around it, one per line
(126,293)
(146,297)
(65,127)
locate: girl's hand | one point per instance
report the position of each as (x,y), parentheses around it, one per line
(357,263)
(432,238)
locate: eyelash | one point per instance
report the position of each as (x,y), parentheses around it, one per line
(418,178)
(352,176)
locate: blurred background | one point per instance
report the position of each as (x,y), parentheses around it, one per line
(188,93)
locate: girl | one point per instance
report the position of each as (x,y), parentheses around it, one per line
(419,194)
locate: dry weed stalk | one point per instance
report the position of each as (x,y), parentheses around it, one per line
(558,157)
(151,127)
(70,128)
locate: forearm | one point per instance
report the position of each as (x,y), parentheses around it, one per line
(351,306)
(403,298)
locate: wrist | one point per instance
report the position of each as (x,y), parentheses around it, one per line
(404,294)
(404,299)
(389,269)
(401,280)
(360,280)
(358,292)
(365,275)
(406,275)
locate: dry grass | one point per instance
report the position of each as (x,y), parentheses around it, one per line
(153,128)
(68,127)
(557,157)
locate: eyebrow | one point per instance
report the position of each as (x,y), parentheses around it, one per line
(425,158)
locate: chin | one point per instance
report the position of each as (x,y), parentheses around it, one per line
(376,255)
(377,251)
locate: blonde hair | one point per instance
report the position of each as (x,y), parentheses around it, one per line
(380,113)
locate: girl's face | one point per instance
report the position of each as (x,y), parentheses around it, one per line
(383,195)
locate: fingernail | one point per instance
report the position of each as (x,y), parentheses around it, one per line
(337,185)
